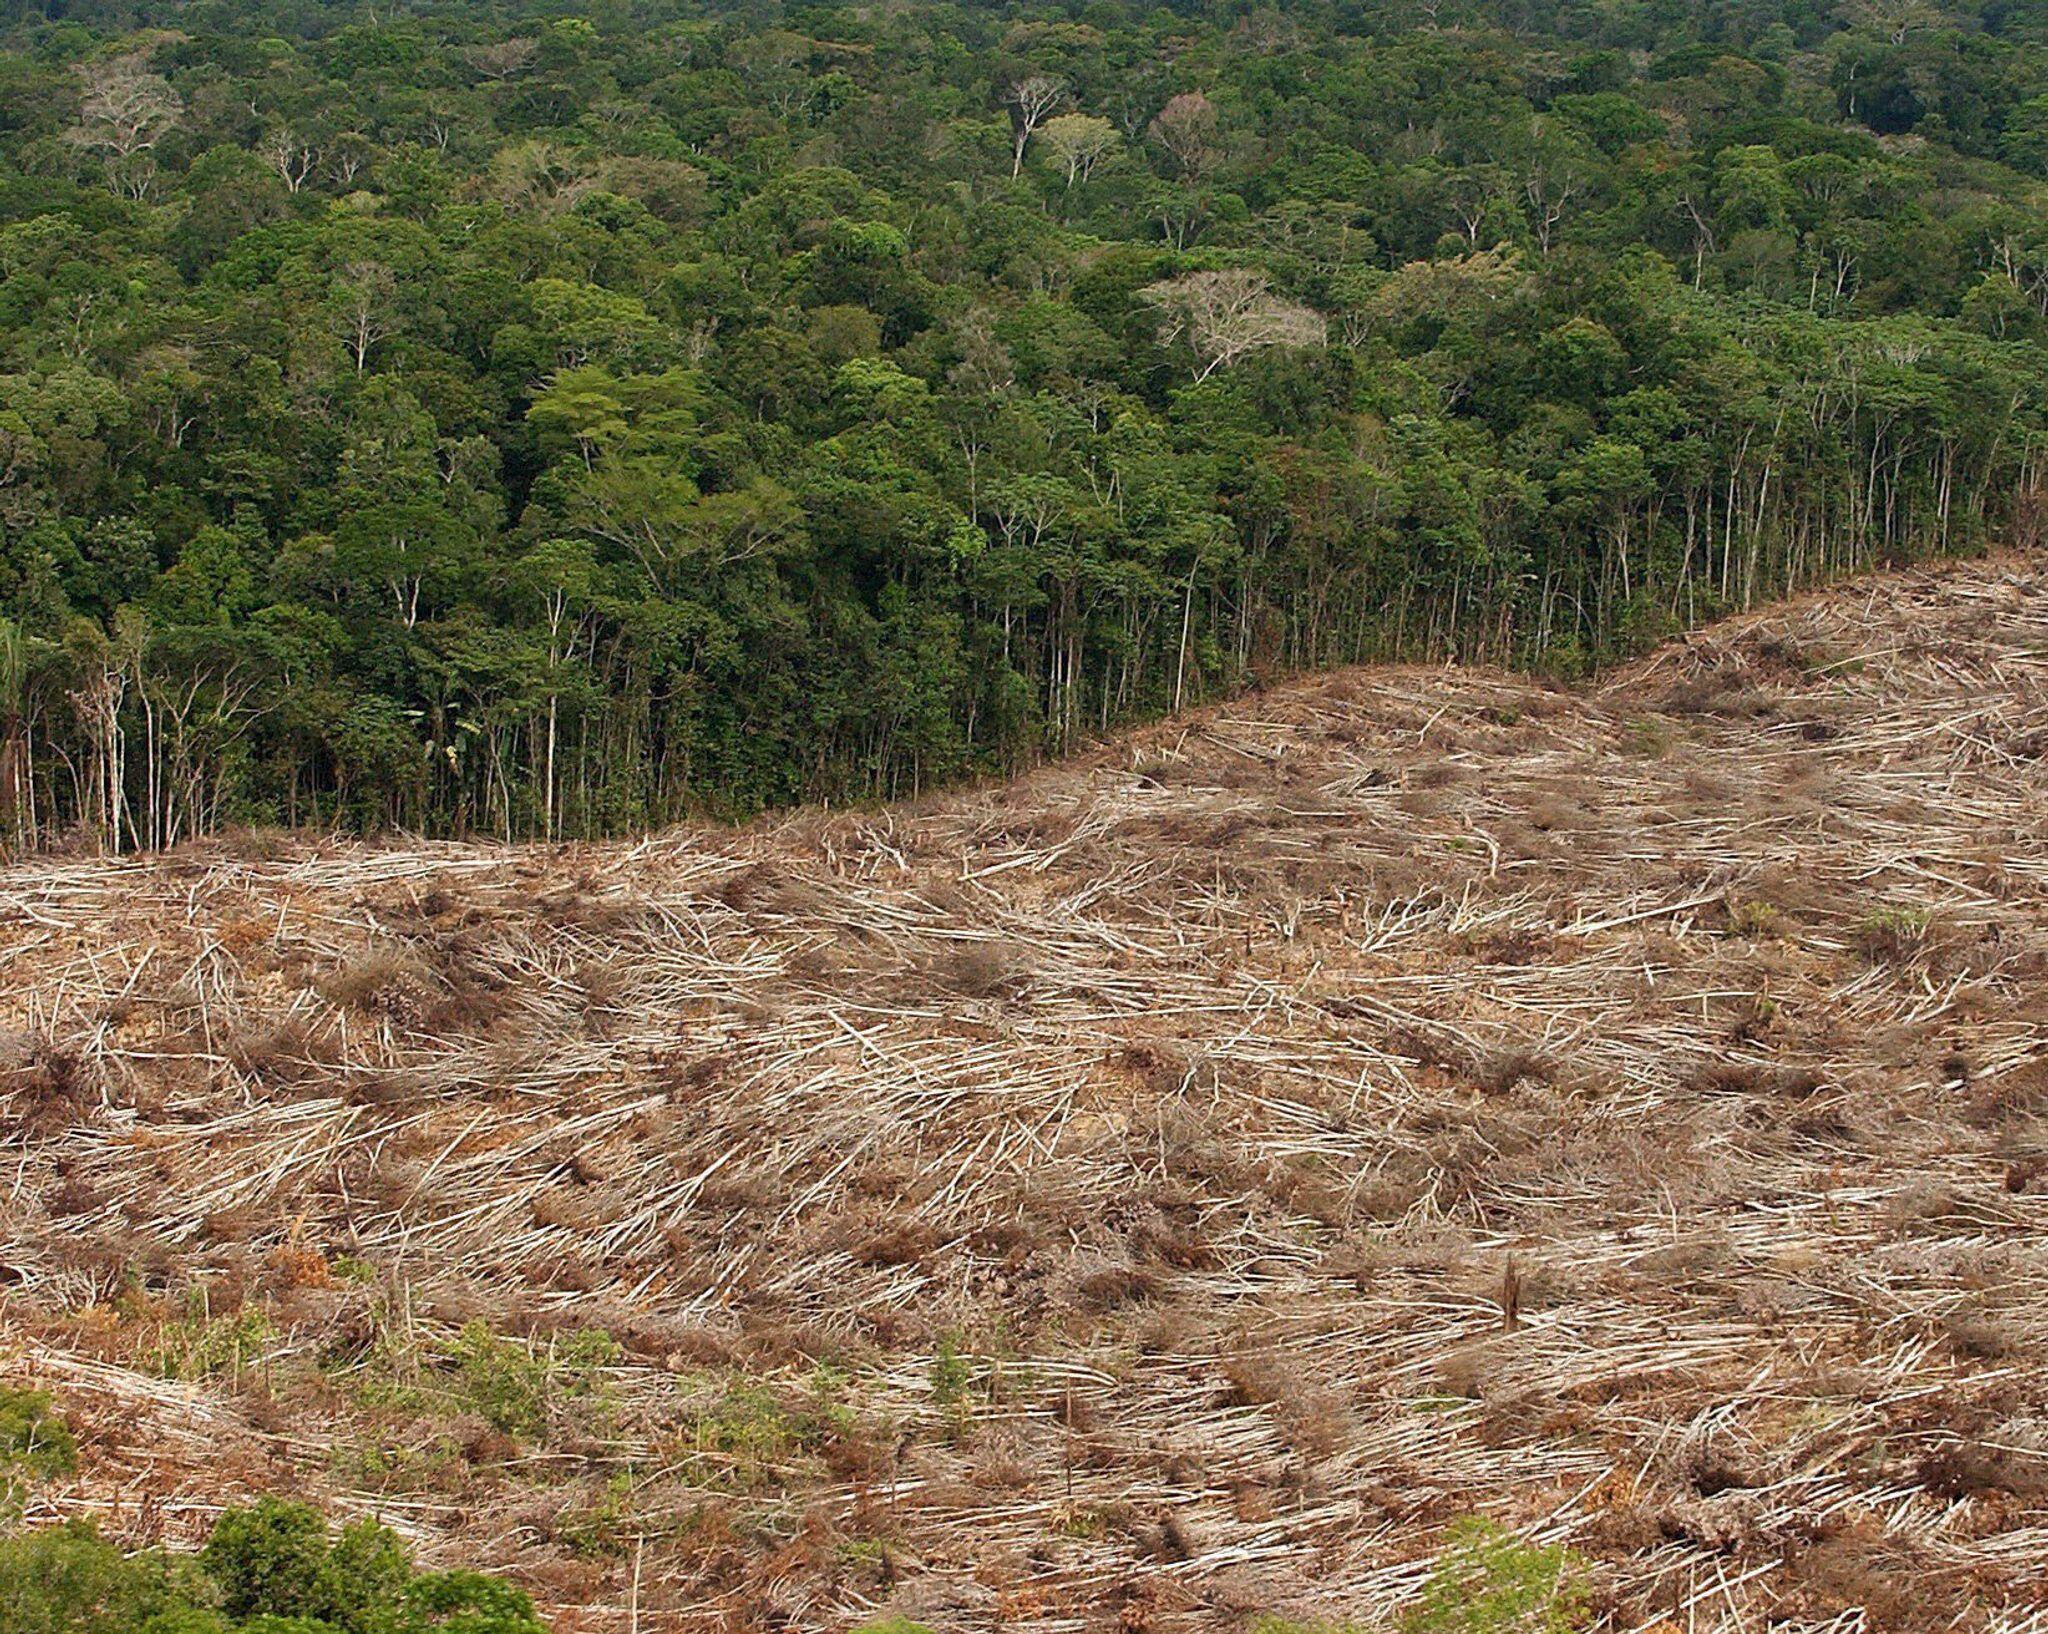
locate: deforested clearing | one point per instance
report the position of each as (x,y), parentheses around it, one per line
(1173,1189)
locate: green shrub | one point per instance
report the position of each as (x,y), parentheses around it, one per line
(1489,1581)
(502,1380)
(1755,919)
(1894,935)
(35,1444)
(276,1559)
(34,1440)
(750,1433)
(604,1525)
(272,1569)
(514,1387)
(199,1345)
(462,1603)
(68,1580)
(952,1372)
(54,1582)
(747,1429)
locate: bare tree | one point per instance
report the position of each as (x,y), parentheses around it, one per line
(502,59)
(127,110)
(1549,191)
(366,294)
(1078,143)
(539,175)
(346,157)
(1702,236)
(169,388)
(702,337)
(82,313)
(1473,192)
(1893,20)
(1181,212)
(1267,30)
(1034,97)
(292,159)
(778,62)
(1227,314)
(986,368)
(1186,128)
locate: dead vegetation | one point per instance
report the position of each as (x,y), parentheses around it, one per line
(1169,1189)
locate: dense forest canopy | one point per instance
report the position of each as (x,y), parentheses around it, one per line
(552,418)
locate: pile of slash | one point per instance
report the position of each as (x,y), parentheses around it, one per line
(1166,1190)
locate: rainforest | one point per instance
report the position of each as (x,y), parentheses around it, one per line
(546,420)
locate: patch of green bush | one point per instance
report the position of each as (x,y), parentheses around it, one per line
(34,1440)
(517,1386)
(200,1345)
(749,1432)
(512,1385)
(502,1380)
(278,1560)
(1487,1581)
(35,1444)
(270,1569)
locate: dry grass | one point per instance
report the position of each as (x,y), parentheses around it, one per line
(1171,1187)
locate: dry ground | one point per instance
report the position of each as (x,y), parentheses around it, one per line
(1170,1188)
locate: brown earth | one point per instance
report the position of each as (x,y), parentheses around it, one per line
(1170,1188)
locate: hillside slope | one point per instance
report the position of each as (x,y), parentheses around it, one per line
(1171,1188)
